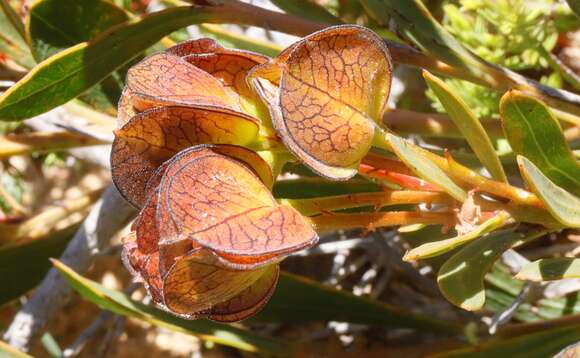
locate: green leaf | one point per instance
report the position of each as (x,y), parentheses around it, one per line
(575,6)
(307,9)
(299,300)
(564,206)
(460,278)
(29,263)
(236,40)
(468,125)
(119,303)
(302,188)
(550,269)
(424,167)
(69,73)
(54,25)
(536,345)
(7,351)
(12,39)
(436,248)
(533,132)
(13,18)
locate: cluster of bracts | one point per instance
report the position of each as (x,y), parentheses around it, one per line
(203,133)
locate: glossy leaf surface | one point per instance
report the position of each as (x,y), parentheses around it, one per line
(550,269)
(460,278)
(564,206)
(64,76)
(55,25)
(440,247)
(424,167)
(534,133)
(119,303)
(469,125)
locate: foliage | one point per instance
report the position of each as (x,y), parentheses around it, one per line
(505,32)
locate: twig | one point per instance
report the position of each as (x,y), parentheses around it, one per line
(502,79)
(79,343)
(106,218)
(60,118)
(505,315)
(103,317)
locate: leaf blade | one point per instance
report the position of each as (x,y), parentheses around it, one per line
(119,303)
(533,132)
(564,206)
(69,73)
(469,125)
(536,345)
(424,167)
(298,299)
(550,269)
(460,278)
(437,248)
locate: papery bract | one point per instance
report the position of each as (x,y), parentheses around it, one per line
(193,93)
(325,93)
(210,236)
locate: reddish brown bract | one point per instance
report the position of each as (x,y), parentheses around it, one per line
(209,239)
(210,235)
(324,94)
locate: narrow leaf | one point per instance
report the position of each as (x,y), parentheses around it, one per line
(119,303)
(299,300)
(564,206)
(536,345)
(533,132)
(468,125)
(29,262)
(54,25)
(460,278)
(424,167)
(7,351)
(550,269)
(13,18)
(69,73)
(12,40)
(436,248)
(307,9)
(236,40)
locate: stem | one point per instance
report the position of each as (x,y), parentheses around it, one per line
(378,161)
(462,174)
(314,206)
(106,218)
(370,221)
(45,222)
(560,67)
(16,144)
(242,41)
(13,203)
(499,78)
(432,124)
